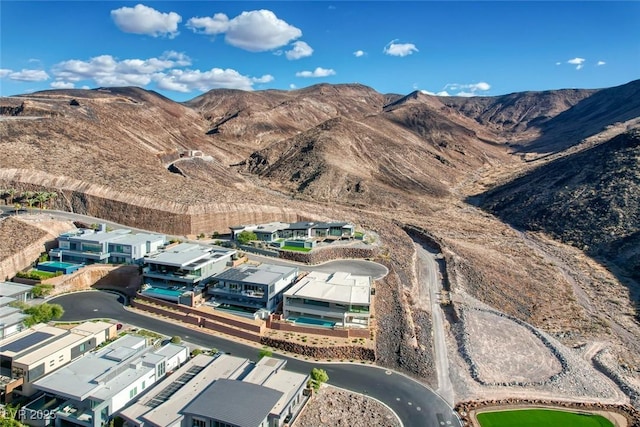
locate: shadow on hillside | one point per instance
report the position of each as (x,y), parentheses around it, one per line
(590,200)
(588,117)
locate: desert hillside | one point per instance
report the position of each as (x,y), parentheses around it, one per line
(385,162)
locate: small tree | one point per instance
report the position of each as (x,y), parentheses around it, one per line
(246,237)
(42,313)
(265,352)
(318,377)
(176,339)
(196,352)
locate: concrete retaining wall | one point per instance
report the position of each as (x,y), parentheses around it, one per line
(337,352)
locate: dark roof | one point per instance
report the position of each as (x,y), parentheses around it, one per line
(301,225)
(234,402)
(26,342)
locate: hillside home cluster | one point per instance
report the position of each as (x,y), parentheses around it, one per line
(33,353)
(91,390)
(86,246)
(274,231)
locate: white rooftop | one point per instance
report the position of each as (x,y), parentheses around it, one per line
(338,287)
(104,373)
(9,289)
(184,254)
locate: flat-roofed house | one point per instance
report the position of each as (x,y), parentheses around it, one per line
(16,291)
(222,391)
(253,287)
(42,349)
(90,390)
(185,264)
(86,246)
(340,297)
(11,318)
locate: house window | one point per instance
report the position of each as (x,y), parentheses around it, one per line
(144,384)
(133,392)
(199,423)
(161,369)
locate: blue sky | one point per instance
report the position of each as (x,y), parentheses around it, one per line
(182,49)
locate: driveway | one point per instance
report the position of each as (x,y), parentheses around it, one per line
(415,404)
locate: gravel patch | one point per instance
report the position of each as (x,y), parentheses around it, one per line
(336,407)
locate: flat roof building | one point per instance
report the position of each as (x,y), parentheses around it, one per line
(253,287)
(223,390)
(185,264)
(339,297)
(99,384)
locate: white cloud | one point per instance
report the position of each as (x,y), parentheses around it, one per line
(441,93)
(189,80)
(600,63)
(300,50)
(142,19)
(255,31)
(467,90)
(399,49)
(105,70)
(578,62)
(318,72)
(292,86)
(24,75)
(358,53)
(85,87)
(62,85)
(558,63)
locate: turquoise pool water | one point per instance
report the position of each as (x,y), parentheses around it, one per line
(312,322)
(161,291)
(57,264)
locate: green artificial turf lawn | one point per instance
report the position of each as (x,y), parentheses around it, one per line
(540,418)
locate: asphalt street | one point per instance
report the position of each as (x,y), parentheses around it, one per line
(414,403)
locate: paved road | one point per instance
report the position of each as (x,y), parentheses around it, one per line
(353,266)
(415,404)
(428,276)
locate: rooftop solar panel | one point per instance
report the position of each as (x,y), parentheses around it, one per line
(26,342)
(172,388)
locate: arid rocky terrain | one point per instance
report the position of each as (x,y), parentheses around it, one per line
(532,199)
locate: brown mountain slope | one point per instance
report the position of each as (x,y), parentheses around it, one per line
(590,199)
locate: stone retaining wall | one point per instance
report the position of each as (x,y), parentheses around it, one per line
(320,255)
(337,352)
(122,278)
(616,377)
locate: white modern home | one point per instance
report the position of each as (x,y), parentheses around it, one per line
(222,391)
(11,318)
(17,291)
(86,246)
(329,299)
(253,287)
(90,390)
(185,264)
(42,349)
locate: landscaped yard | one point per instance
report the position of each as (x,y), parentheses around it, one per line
(541,418)
(296,248)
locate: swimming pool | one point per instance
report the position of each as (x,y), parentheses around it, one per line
(55,266)
(167,294)
(312,322)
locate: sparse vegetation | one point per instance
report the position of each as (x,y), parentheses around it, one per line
(245,237)
(318,377)
(41,290)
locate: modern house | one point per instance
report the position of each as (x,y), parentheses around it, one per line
(100,246)
(17,291)
(43,349)
(89,391)
(253,287)
(222,391)
(328,299)
(185,264)
(297,231)
(11,318)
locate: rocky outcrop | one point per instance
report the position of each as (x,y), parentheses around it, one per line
(121,278)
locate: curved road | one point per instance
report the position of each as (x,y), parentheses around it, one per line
(415,404)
